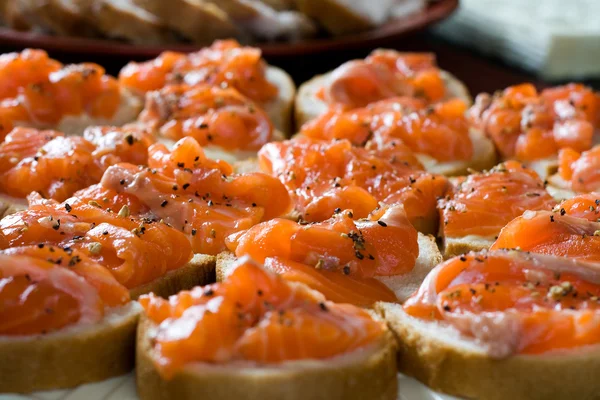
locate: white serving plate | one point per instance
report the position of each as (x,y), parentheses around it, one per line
(123,388)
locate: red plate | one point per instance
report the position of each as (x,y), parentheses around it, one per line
(387,33)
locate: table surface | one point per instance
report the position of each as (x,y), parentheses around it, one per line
(480,73)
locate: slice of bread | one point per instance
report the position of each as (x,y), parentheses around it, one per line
(341,17)
(403,285)
(446,361)
(308,105)
(199,271)
(559,188)
(72,356)
(196,20)
(367,373)
(122,19)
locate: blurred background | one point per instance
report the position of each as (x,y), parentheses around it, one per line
(489,44)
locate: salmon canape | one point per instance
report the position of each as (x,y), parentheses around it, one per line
(55,165)
(39,92)
(534,320)
(64,320)
(200,197)
(325,176)
(481,204)
(275,339)
(578,172)
(439,135)
(225,64)
(532,126)
(570,230)
(228,125)
(379,258)
(142,253)
(382,75)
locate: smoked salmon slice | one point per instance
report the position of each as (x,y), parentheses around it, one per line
(39,294)
(384,74)
(554,233)
(440,131)
(579,171)
(256,316)
(198,196)
(224,64)
(582,206)
(340,251)
(325,176)
(528,125)
(482,203)
(56,166)
(513,302)
(210,114)
(136,250)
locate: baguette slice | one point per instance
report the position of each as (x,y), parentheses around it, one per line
(402,285)
(280,109)
(308,106)
(10,205)
(341,17)
(446,361)
(199,271)
(196,20)
(72,356)
(66,17)
(123,19)
(368,373)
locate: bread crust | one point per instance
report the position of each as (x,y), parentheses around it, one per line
(466,370)
(199,271)
(370,377)
(457,246)
(70,357)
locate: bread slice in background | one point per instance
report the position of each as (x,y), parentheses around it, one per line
(308,105)
(367,373)
(72,356)
(445,361)
(195,20)
(122,19)
(341,17)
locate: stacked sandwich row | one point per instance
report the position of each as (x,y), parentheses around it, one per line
(322,245)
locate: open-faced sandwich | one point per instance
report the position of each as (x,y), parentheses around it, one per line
(532,126)
(439,135)
(481,204)
(64,320)
(378,258)
(503,325)
(225,64)
(257,336)
(383,74)
(40,92)
(228,125)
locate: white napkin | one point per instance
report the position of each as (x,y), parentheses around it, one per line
(559,39)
